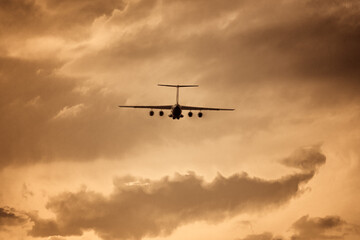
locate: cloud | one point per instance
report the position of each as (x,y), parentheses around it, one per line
(68,112)
(263,236)
(57,238)
(329,227)
(83,11)
(295,48)
(14,14)
(46,118)
(307,159)
(10,217)
(315,228)
(143,207)
(159,207)
(260,53)
(238,42)
(49,17)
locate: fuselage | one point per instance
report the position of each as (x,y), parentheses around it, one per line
(176,112)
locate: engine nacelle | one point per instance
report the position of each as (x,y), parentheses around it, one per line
(200,114)
(151,113)
(161,113)
(190,114)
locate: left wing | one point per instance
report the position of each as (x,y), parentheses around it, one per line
(151,107)
(206,108)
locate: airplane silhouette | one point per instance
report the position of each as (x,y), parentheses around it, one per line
(177,109)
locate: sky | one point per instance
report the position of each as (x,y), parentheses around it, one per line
(283,166)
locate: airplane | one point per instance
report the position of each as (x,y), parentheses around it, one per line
(176,109)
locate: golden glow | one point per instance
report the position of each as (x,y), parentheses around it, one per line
(74,166)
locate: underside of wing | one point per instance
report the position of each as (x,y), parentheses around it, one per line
(151,107)
(206,108)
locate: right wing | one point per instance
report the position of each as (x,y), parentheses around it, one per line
(151,107)
(206,108)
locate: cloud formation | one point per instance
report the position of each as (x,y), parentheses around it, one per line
(152,208)
(307,159)
(43,17)
(47,116)
(263,236)
(315,228)
(329,227)
(302,59)
(10,217)
(66,65)
(142,207)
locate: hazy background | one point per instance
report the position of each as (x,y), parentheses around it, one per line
(283,165)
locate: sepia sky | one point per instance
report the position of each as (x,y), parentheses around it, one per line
(283,166)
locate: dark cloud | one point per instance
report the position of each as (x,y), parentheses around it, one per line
(308,159)
(141,207)
(293,49)
(299,49)
(211,40)
(14,14)
(329,227)
(10,217)
(243,42)
(321,41)
(50,117)
(47,117)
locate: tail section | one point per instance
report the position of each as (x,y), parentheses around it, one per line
(177,89)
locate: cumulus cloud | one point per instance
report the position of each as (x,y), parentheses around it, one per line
(143,207)
(315,228)
(329,227)
(157,208)
(309,158)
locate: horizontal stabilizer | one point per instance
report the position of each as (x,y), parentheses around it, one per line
(177,86)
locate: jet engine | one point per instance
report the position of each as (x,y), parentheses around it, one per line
(200,114)
(151,113)
(161,113)
(190,114)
